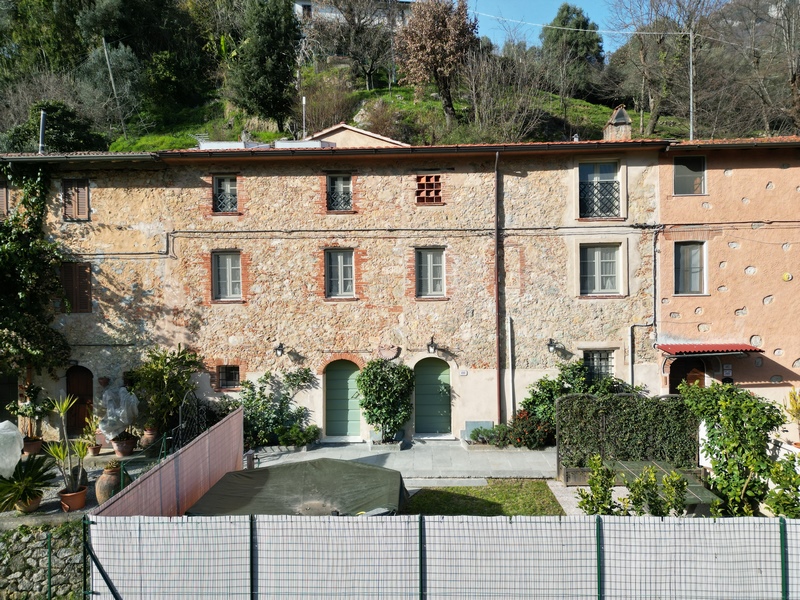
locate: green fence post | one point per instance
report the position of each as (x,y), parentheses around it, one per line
(422,583)
(49,565)
(598,529)
(253,560)
(784,561)
(85,556)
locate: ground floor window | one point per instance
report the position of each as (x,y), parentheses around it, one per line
(599,363)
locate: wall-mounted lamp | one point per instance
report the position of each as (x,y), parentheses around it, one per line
(551,345)
(279,349)
(432,347)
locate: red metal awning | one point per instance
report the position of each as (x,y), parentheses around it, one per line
(691,349)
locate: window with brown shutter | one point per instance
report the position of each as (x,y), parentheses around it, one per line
(77,281)
(3,200)
(75,193)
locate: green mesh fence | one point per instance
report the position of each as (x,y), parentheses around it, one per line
(444,557)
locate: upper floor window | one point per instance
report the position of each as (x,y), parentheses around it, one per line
(689,268)
(429,189)
(76,278)
(599,364)
(3,200)
(226,199)
(430,272)
(599,190)
(599,270)
(75,194)
(339,274)
(340,192)
(227,275)
(306,11)
(689,175)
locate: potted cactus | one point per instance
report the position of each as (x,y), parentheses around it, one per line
(69,458)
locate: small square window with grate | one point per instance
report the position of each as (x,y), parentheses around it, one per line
(429,189)
(228,376)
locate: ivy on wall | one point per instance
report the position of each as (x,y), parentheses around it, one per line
(29,280)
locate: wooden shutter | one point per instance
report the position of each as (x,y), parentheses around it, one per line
(77,281)
(3,200)
(76,198)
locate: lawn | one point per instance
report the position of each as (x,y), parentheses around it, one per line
(501,497)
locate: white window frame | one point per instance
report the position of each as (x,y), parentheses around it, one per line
(680,273)
(225,184)
(339,183)
(597,176)
(340,279)
(621,177)
(685,177)
(575,243)
(430,272)
(597,257)
(226,268)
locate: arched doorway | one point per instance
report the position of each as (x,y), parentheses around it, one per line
(432,397)
(693,370)
(80,383)
(342,412)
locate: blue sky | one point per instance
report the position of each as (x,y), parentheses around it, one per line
(532,13)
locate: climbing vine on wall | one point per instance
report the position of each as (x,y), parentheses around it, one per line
(29,280)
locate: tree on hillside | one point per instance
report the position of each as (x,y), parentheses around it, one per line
(433,44)
(65,130)
(571,48)
(360,30)
(262,76)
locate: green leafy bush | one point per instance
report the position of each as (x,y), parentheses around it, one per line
(270,411)
(784,498)
(738,427)
(385,388)
(495,436)
(598,499)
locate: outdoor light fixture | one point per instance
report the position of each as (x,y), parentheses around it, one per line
(432,347)
(279,349)
(551,345)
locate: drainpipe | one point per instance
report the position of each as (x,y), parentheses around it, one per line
(42,118)
(653,323)
(497,320)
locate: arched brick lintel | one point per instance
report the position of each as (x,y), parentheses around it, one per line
(354,358)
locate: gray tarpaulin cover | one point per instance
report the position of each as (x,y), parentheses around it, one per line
(314,487)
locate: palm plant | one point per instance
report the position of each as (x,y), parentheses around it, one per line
(63,451)
(26,484)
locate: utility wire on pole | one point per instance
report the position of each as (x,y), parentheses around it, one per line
(114,89)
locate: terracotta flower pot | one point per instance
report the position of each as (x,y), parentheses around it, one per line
(30,506)
(109,483)
(95,450)
(31,447)
(123,447)
(149,437)
(73,500)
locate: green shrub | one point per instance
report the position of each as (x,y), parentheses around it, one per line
(269,408)
(385,388)
(528,431)
(598,499)
(784,498)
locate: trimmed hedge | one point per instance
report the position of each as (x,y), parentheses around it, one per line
(626,427)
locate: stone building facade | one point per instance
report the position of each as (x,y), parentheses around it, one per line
(481,267)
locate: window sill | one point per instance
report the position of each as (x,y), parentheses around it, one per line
(342,299)
(76,220)
(431,203)
(692,295)
(226,214)
(232,301)
(601,296)
(227,389)
(601,219)
(432,298)
(689,195)
(341,212)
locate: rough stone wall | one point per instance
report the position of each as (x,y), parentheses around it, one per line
(748,221)
(151,237)
(24,562)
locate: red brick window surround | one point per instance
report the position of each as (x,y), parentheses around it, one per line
(338,193)
(339,274)
(226,276)
(429,189)
(75,194)
(76,277)
(226,373)
(225,199)
(228,377)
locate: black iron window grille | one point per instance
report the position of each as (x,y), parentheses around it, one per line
(340,200)
(225,196)
(228,376)
(599,199)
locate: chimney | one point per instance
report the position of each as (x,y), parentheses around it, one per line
(618,127)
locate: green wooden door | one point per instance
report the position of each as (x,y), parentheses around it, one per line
(432,395)
(342,413)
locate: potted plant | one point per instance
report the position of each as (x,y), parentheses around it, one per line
(124,443)
(25,488)
(111,481)
(33,411)
(69,458)
(150,434)
(89,434)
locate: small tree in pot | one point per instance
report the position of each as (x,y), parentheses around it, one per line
(69,456)
(385,388)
